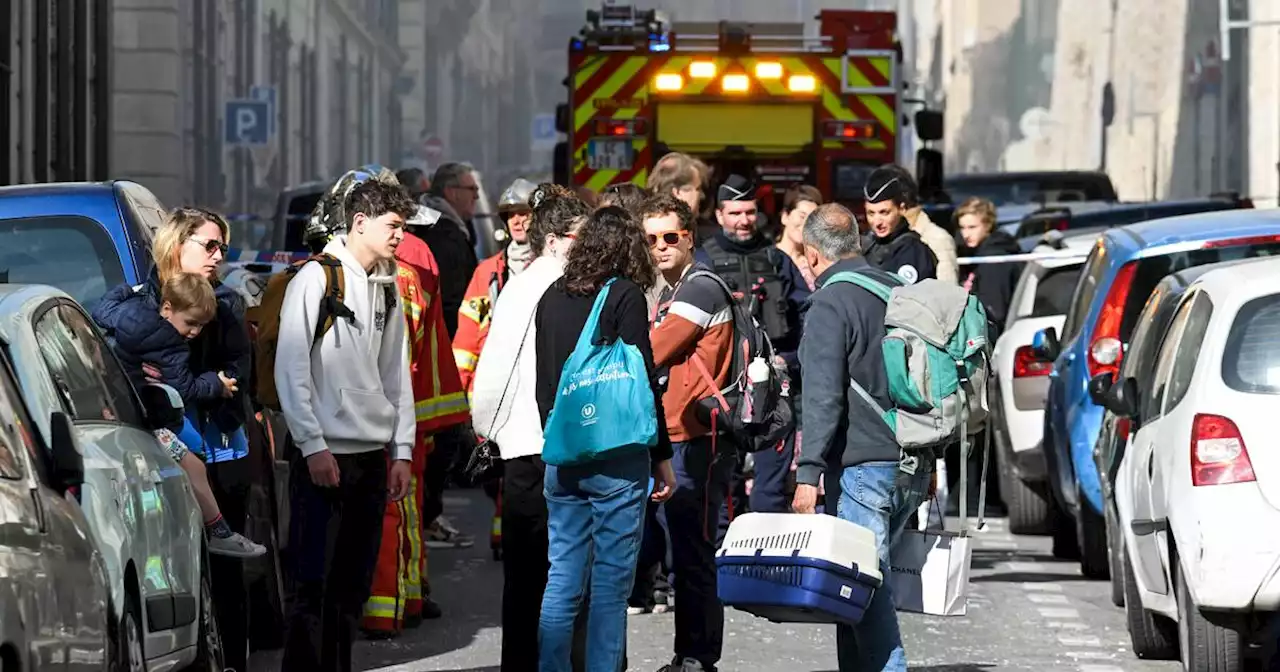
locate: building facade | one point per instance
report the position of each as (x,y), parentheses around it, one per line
(223,103)
(55,84)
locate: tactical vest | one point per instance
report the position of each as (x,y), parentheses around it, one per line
(755,283)
(877,252)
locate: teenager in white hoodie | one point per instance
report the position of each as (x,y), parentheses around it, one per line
(348,402)
(505,410)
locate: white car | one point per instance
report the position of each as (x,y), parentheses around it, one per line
(1040,300)
(1197,502)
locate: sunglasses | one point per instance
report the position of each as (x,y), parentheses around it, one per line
(670,237)
(210,245)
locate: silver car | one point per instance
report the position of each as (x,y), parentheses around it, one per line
(53,580)
(140,507)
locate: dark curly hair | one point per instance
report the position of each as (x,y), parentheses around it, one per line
(610,245)
(555,215)
(627,196)
(375,198)
(666,204)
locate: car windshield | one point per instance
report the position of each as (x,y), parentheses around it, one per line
(1053,291)
(1251,362)
(1006,190)
(300,208)
(74,254)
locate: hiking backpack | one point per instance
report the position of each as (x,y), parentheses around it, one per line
(937,360)
(757,414)
(265,319)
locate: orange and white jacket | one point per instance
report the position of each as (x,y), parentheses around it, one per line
(439,398)
(474,315)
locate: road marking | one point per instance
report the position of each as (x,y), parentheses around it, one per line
(1079,640)
(1047,598)
(1067,625)
(1063,613)
(1046,587)
(1087,655)
(1029,567)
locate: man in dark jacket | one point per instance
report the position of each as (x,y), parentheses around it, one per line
(770,287)
(844,434)
(891,245)
(453,194)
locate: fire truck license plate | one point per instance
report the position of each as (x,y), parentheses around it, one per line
(610,155)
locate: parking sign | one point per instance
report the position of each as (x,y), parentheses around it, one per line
(247,123)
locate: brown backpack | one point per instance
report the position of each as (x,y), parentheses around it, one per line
(265,319)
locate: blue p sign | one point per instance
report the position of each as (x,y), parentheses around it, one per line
(247,122)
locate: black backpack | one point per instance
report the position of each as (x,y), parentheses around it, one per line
(756,420)
(754,284)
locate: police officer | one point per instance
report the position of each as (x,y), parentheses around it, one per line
(766,283)
(891,245)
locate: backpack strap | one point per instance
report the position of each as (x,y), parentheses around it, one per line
(863,280)
(332,307)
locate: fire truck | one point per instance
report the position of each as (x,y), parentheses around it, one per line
(768,101)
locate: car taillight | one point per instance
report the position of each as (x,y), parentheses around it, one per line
(1240,242)
(1106,350)
(1027,365)
(1218,455)
(1122,428)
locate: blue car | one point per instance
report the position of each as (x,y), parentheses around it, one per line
(1123,267)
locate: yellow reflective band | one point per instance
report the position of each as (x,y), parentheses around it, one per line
(383,607)
(472,309)
(430,409)
(497,526)
(466,361)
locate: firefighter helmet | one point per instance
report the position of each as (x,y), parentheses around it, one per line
(328,218)
(516,197)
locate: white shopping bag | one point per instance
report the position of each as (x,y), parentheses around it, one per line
(929,572)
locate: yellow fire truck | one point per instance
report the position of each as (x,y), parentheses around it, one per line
(763,100)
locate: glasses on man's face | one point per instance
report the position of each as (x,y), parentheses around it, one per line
(669,238)
(210,245)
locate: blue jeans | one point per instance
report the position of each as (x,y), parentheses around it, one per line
(593,532)
(879,497)
(773,467)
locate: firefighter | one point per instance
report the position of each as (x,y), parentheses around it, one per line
(398,595)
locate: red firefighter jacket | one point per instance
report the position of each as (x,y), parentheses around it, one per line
(473,316)
(439,399)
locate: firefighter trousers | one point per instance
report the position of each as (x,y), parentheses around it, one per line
(400,576)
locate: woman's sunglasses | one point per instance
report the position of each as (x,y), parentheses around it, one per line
(670,237)
(209,245)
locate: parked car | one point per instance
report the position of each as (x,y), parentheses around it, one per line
(1139,364)
(139,504)
(84,239)
(1197,525)
(1021,381)
(1123,268)
(1018,188)
(1033,227)
(53,578)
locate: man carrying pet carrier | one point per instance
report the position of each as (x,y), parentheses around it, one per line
(844,381)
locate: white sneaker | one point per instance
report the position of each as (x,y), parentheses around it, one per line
(235,546)
(442,535)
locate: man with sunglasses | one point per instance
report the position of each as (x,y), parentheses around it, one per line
(693,340)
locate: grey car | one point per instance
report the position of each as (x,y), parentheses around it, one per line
(53,579)
(140,507)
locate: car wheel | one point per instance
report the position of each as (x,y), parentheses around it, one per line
(129,654)
(1028,506)
(1091,533)
(1208,642)
(209,654)
(1153,636)
(1063,528)
(1114,560)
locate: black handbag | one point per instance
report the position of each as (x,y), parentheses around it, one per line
(485,463)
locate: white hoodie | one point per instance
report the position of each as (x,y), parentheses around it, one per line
(517,426)
(351,393)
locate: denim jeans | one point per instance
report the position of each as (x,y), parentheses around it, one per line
(594,513)
(879,497)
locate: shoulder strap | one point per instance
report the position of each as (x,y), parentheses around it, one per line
(864,281)
(332,306)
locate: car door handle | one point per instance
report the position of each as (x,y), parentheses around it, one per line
(1143,527)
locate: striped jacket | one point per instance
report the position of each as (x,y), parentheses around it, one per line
(439,399)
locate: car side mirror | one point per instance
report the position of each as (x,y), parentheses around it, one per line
(1122,398)
(1099,386)
(68,460)
(163,405)
(1045,344)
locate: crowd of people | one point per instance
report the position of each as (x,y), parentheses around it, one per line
(394,354)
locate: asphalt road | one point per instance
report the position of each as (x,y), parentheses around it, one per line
(1027,611)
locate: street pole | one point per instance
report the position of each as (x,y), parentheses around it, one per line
(1225,25)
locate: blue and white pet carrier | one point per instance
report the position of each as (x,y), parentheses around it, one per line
(798,569)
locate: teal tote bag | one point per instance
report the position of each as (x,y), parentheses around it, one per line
(604,403)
